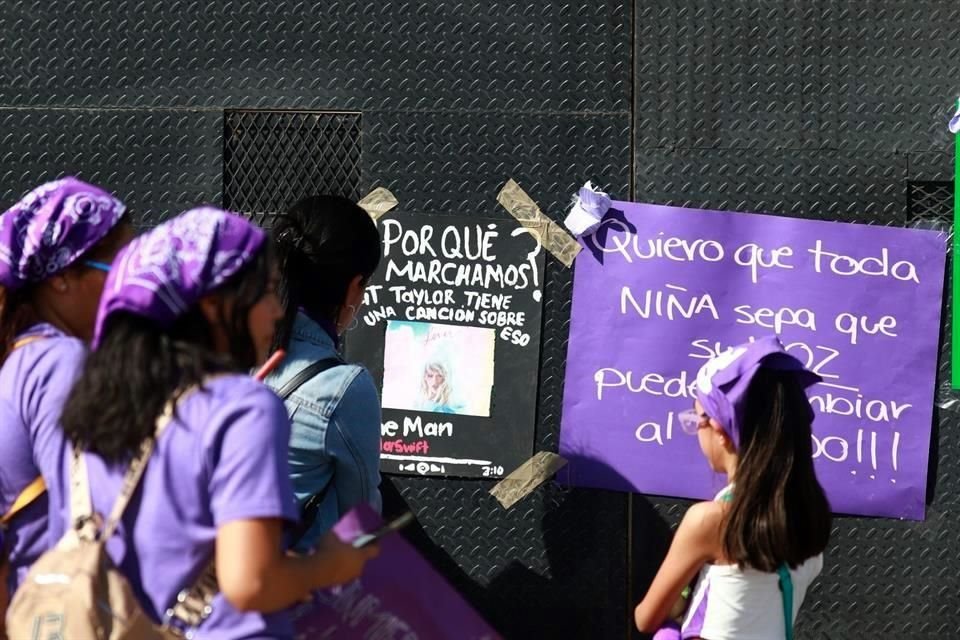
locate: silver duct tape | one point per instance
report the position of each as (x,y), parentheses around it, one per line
(527,477)
(378,202)
(548,233)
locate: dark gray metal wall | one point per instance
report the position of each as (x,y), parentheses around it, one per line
(801,107)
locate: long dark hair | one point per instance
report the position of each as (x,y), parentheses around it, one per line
(779,513)
(17,313)
(138,367)
(322,243)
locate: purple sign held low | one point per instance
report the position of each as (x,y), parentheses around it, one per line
(399,597)
(659,290)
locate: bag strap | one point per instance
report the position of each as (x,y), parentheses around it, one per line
(786,593)
(306,374)
(25,341)
(194,604)
(309,513)
(81,507)
(30,493)
(311,507)
(135,472)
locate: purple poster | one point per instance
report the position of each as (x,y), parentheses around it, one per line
(399,596)
(659,290)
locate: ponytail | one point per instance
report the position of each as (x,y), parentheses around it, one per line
(779,513)
(322,243)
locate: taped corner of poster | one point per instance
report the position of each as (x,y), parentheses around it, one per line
(548,233)
(527,477)
(378,202)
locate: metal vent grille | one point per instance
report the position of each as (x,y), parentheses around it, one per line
(265,169)
(930,202)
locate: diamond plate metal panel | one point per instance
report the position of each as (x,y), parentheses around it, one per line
(826,185)
(847,75)
(936,164)
(432,54)
(724,74)
(882,80)
(438,162)
(158,162)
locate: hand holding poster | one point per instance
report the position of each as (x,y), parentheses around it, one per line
(399,596)
(660,290)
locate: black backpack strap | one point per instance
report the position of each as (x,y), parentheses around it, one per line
(308,372)
(308,513)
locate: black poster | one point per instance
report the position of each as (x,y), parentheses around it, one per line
(450,330)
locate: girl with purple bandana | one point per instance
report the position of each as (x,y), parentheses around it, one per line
(55,245)
(759,544)
(188,308)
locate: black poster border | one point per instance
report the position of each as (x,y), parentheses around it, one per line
(416,441)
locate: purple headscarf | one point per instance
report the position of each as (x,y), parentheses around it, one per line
(723,381)
(164,272)
(51,227)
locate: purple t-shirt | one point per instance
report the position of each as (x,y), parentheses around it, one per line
(34,382)
(223,458)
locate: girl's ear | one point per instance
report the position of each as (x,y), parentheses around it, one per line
(724,437)
(59,282)
(209,307)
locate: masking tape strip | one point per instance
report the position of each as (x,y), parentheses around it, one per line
(378,202)
(527,477)
(550,235)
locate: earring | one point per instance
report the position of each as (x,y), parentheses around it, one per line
(353,323)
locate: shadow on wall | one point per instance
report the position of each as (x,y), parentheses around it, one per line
(585,542)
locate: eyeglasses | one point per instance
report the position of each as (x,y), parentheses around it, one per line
(690,421)
(100,266)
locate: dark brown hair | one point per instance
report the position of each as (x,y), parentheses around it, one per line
(779,513)
(322,244)
(17,313)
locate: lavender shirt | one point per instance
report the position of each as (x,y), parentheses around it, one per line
(34,382)
(224,458)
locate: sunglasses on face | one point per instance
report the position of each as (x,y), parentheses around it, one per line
(691,421)
(94,264)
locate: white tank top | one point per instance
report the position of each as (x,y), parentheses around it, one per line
(733,604)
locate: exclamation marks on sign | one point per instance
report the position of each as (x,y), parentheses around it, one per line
(894,453)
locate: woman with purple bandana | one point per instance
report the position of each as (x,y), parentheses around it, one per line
(55,244)
(759,544)
(187,309)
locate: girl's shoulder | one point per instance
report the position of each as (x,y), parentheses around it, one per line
(701,530)
(230,395)
(707,516)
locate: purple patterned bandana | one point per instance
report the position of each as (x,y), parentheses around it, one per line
(723,381)
(51,227)
(164,272)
